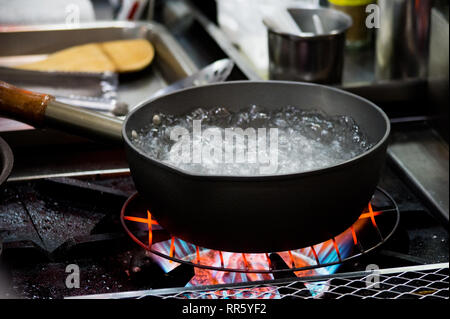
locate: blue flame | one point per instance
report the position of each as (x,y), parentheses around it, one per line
(326,253)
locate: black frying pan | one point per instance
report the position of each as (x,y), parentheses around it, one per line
(6,161)
(245,214)
(6,165)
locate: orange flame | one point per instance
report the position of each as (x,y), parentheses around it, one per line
(221,259)
(355,239)
(372,215)
(245,261)
(336,248)
(172,248)
(292,259)
(140,220)
(198,254)
(150,233)
(269,262)
(315,255)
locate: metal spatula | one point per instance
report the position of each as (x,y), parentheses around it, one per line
(217,71)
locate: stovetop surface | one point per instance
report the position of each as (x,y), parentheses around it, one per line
(48,224)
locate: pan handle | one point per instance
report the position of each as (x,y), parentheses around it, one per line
(43,110)
(26,106)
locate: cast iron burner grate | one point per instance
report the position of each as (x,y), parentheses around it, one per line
(374,227)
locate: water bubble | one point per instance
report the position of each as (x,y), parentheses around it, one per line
(307,139)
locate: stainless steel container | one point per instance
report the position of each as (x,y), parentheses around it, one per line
(403,39)
(310,57)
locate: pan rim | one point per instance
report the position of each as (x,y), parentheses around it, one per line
(244,178)
(7,161)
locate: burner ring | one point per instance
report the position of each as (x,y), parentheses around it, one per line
(370,214)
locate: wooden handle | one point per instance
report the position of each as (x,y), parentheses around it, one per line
(22,105)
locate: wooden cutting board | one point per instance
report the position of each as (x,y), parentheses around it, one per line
(115,56)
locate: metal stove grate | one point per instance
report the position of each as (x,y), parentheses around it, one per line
(348,245)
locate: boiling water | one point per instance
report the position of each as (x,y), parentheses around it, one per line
(302,141)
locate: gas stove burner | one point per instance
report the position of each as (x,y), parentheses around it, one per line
(375,226)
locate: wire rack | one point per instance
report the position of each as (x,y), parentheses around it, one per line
(413,282)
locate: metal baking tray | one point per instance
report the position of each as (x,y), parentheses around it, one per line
(28,43)
(74,155)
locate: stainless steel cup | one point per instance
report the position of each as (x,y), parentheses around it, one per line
(310,57)
(403,39)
